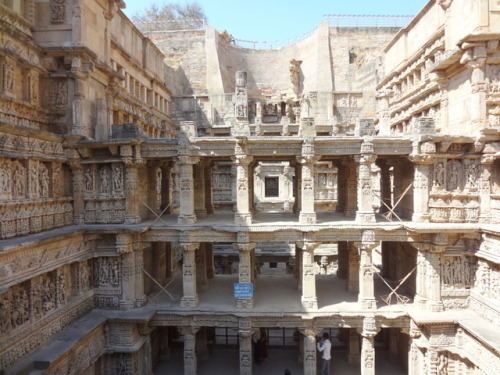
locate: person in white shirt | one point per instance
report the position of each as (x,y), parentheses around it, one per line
(325,346)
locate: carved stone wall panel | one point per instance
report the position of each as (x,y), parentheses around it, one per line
(32,336)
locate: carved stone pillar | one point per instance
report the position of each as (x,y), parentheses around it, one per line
(421,278)
(78,125)
(190,293)
(383,97)
(433,257)
(368,346)
(190,360)
(353,274)
(352,193)
(186,211)
(243,216)
(128,270)
(245,272)
(366,296)
(298,266)
(140,298)
(76,23)
(422,181)
(432,362)
(78,189)
(365,213)
(474,58)
(309,351)
(201,267)
(307,213)
(485,188)
(307,159)
(246,356)
(309,298)
(132,202)
(354,352)
(414,363)
(200,208)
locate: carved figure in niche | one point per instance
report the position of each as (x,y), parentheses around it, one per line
(56,181)
(88,177)
(454,175)
(304,107)
(20,309)
(47,295)
(37,299)
(44,182)
(60,94)
(5,184)
(117,178)
(84,277)
(5,312)
(8,76)
(61,298)
(442,366)
(241,78)
(115,272)
(447,272)
(33,180)
(472,174)
(57,11)
(19,181)
(439,175)
(104,179)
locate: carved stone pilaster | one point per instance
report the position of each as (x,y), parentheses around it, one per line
(366,160)
(190,360)
(186,195)
(366,296)
(78,193)
(485,188)
(368,333)
(243,216)
(421,183)
(433,257)
(245,272)
(309,298)
(245,333)
(309,359)
(190,294)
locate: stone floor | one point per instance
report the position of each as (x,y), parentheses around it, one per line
(275,294)
(224,361)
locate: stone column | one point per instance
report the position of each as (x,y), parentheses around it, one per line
(243,216)
(186,211)
(353,271)
(131,160)
(343,260)
(307,214)
(485,188)
(128,270)
(384,125)
(309,298)
(422,181)
(78,193)
(432,362)
(245,272)
(298,266)
(365,213)
(201,267)
(140,298)
(190,294)
(200,208)
(309,351)
(474,58)
(366,288)
(367,345)
(414,364)
(77,103)
(190,360)
(354,352)
(246,354)
(352,192)
(421,278)
(439,243)
(307,159)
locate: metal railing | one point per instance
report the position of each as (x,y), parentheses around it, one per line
(170,25)
(359,20)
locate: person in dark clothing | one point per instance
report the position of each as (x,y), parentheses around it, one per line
(287,372)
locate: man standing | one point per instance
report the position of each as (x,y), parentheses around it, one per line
(325,346)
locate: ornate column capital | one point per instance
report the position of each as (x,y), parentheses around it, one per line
(191,246)
(243,160)
(421,158)
(245,247)
(370,328)
(307,245)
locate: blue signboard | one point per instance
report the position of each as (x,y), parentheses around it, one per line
(243,290)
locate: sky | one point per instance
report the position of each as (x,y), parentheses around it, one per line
(273,20)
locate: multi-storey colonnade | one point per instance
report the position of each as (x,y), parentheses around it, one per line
(368,171)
